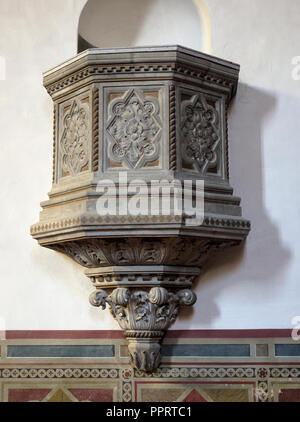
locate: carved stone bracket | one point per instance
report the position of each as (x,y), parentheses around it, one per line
(145,315)
(145,301)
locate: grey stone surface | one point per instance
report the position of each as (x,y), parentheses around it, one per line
(287,350)
(156,113)
(262,350)
(82,351)
(207,350)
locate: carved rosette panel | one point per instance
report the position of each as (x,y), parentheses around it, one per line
(134,129)
(200,133)
(74,142)
(145,315)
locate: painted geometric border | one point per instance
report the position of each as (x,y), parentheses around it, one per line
(263,377)
(270,371)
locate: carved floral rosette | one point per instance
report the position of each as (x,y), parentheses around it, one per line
(74,140)
(200,132)
(134,129)
(145,316)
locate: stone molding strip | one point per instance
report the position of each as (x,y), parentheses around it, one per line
(73,222)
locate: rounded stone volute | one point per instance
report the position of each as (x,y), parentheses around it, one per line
(187,297)
(120,296)
(158,295)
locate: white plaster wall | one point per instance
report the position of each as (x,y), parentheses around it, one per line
(260,287)
(127,23)
(38,288)
(257,287)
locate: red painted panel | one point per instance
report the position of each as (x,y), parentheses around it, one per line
(116,334)
(289,395)
(194,396)
(25,395)
(62,334)
(94,395)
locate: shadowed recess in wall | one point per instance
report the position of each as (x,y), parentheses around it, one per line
(131,23)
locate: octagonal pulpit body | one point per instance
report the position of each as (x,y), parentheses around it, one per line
(140,116)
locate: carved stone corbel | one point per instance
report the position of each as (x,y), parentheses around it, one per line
(145,315)
(154,114)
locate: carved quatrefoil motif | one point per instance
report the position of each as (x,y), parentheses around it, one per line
(134,129)
(74,140)
(200,133)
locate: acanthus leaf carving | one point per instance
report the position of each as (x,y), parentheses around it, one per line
(87,253)
(100,298)
(135,251)
(145,315)
(142,310)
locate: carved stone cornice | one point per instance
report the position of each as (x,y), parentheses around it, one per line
(154,114)
(233,228)
(171,62)
(171,70)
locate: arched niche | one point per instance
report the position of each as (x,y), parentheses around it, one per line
(131,23)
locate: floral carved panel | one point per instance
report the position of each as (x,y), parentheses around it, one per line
(74,142)
(133,129)
(200,133)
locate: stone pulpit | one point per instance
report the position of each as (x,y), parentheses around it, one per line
(128,122)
